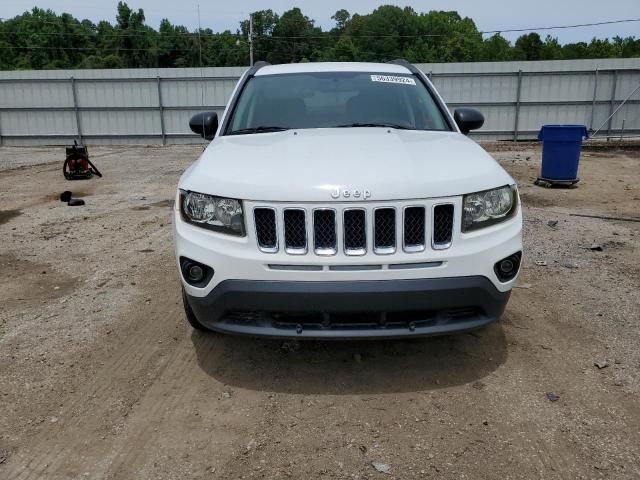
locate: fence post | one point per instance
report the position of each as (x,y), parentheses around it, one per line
(161,110)
(518,94)
(75,108)
(612,103)
(595,97)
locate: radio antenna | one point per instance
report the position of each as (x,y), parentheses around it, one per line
(202,86)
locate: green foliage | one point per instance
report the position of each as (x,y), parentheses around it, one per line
(496,49)
(41,39)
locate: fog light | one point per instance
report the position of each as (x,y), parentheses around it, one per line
(195,273)
(507,268)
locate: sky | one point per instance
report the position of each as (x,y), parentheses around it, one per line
(488,14)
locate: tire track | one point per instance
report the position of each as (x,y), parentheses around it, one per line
(68,458)
(153,412)
(132,359)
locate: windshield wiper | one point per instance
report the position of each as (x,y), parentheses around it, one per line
(383,125)
(259,129)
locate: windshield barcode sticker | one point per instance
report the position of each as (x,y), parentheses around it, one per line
(393,79)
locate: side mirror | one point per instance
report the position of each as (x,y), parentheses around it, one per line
(468,119)
(204,124)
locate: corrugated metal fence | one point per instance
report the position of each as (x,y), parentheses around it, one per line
(154,105)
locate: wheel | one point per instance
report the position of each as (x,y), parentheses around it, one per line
(191,317)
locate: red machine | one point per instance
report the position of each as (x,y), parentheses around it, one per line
(77,165)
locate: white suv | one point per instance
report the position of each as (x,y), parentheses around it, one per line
(343,200)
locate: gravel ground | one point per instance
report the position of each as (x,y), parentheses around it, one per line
(101,377)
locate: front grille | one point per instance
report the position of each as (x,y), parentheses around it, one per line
(266,233)
(324,232)
(384,233)
(414,232)
(355,232)
(442,226)
(295,231)
(351,230)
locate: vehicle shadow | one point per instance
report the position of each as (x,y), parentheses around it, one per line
(351,367)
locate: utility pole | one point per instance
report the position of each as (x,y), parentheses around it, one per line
(251,39)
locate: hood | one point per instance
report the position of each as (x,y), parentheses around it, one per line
(309,165)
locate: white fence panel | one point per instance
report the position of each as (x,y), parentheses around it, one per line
(154,105)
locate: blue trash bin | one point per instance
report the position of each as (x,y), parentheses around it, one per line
(561,146)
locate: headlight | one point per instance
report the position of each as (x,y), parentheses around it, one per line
(486,208)
(215,213)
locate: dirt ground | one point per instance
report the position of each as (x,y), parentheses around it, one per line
(101,377)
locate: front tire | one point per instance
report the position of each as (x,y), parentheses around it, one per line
(191,317)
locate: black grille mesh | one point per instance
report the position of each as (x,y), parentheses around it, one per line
(295,232)
(324,229)
(354,228)
(442,224)
(414,226)
(355,236)
(385,228)
(265,220)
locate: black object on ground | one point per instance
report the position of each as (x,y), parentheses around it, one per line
(75,202)
(65,196)
(545,182)
(552,397)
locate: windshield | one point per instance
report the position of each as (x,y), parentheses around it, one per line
(335,99)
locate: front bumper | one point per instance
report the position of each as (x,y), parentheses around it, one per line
(360,309)
(238,258)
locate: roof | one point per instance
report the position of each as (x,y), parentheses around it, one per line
(332,67)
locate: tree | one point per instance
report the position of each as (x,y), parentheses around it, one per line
(344,51)
(572,51)
(341,17)
(529,47)
(496,48)
(291,39)
(136,41)
(41,39)
(551,49)
(264,23)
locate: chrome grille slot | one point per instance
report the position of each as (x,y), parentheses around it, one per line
(414,229)
(355,231)
(295,231)
(384,231)
(324,231)
(442,226)
(266,229)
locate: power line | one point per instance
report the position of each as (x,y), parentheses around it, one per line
(116,33)
(78,24)
(481,32)
(150,30)
(560,27)
(102,49)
